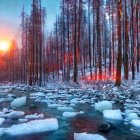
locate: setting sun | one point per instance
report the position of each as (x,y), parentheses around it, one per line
(4,46)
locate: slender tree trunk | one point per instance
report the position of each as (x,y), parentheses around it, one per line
(126,44)
(75,43)
(119,58)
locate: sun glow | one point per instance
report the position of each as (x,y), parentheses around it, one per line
(4,46)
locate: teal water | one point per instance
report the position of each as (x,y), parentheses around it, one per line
(87,122)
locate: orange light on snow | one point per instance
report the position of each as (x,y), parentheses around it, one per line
(105,76)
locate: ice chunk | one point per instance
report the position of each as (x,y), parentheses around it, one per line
(40,94)
(112,114)
(5,110)
(132,116)
(11,96)
(136,123)
(41,116)
(34,116)
(85,136)
(128,111)
(53,105)
(103,105)
(19,102)
(36,126)
(13,114)
(23,120)
(71,114)
(65,108)
(115,89)
(1,121)
(74,101)
(1,132)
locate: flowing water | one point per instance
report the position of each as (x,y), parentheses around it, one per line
(87,122)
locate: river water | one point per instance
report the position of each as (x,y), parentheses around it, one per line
(87,122)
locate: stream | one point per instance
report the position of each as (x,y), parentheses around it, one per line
(89,121)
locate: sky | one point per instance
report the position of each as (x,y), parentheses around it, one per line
(10,16)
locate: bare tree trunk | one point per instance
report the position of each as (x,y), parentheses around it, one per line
(119,58)
(75,43)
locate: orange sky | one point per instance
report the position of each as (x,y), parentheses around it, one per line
(6,33)
(10,17)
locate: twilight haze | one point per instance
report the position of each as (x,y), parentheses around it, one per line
(10,16)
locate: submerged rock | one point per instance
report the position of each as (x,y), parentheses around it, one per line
(106,127)
(33,107)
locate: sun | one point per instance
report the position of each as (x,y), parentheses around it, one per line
(4,46)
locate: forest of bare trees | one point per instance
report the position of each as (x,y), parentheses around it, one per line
(98,37)
(91,40)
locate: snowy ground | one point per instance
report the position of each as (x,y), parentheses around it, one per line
(70,112)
